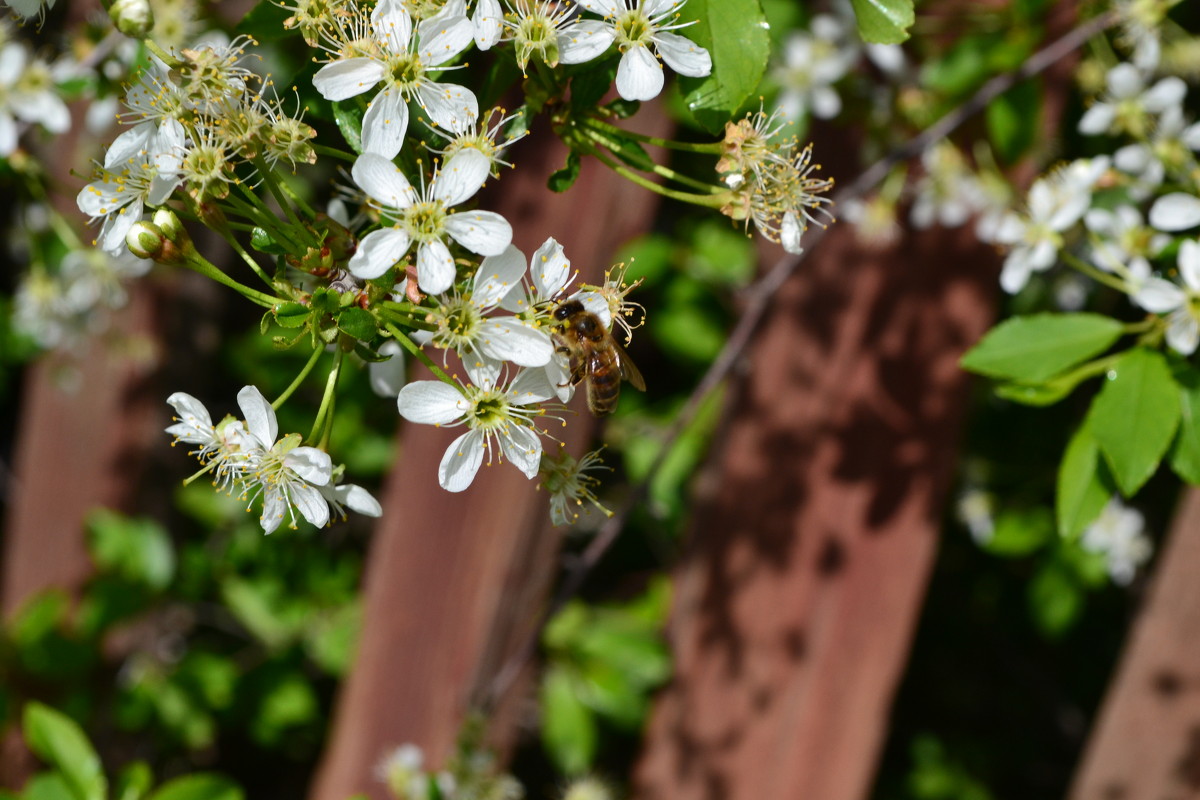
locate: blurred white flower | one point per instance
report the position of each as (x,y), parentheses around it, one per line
(1119,535)
(1181,302)
(1129,103)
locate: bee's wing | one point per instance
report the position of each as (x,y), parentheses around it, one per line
(629,370)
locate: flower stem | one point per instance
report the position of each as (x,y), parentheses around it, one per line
(335,152)
(692,147)
(614,147)
(268,176)
(416,352)
(709,201)
(323,424)
(198,263)
(308,367)
(1095,274)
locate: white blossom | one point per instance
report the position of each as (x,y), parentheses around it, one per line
(1121,242)
(1119,535)
(1128,103)
(1182,303)
(813,61)
(401,61)
(1170,149)
(1175,212)
(27,93)
(425,219)
(500,421)
(142,166)
(641,29)
(1055,203)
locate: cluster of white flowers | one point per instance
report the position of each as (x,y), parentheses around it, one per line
(60,310)
(1119,535)
(248,458)
(28,89)
(471,773)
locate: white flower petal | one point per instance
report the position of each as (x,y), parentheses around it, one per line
(195,424)
(639,75)
(384,125)
(450,36)
(311,504)
(683,55)
(116,225)
(549,269)
(358,499)
(483,232)
(488,20)
(1124,80)
(383,181)
(259,416)
(378,252)
(388,377)
(391,22)
(1165,94)
(1015,273)
(605,8)
(1183,332)
(274,508)
(1189,263)
(523,448)
(431,403)
(435,267)
(584,41)
(1097,119)
(449,105)
(535,386)
(790,231)
(1159,296)
(510,339)
(1175,212)
(461,462)
(461,177)
(344,79)
(311,464)
(497,276)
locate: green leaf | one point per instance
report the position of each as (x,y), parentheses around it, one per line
(133,782)
(590,84)
(1185,456)
(1083,486)
(199,786)
(138,550)
(563,179)
(265,22)
(263,242)
(1135,416)
(883,21)
(735,34)
(1014,119)
(292,315)
(1020,533)
(47,786)
(59,741)
(1036,394)
(359,323)
(568,726)
(349,117)
(1055,599)
(1035,348)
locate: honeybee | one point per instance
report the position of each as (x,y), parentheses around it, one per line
(594,356)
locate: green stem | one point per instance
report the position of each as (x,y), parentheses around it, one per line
(416,352)
(713,148)
(658,169)
(199,263)
(308,367)
(335,152)
(708,201)
(287,188)
(1095,274)
(323,424)
(268,176)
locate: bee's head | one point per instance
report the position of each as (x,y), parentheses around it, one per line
(567,308)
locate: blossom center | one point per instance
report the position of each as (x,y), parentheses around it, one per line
(458,324)
(632,29)
(489,410)
(406,70)
(425,221)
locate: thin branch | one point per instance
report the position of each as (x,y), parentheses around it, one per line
(758,299)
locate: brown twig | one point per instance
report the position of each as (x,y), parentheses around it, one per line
(757,301)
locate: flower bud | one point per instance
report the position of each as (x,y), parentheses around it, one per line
(134,18)
(145,240)
(167,222)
